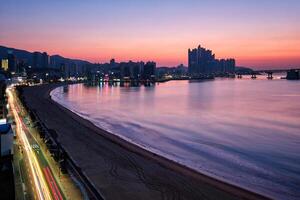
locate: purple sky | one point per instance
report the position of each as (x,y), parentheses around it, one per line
(259,34)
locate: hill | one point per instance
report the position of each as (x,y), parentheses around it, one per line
(27,57)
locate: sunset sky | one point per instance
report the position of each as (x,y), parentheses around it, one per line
(258,33)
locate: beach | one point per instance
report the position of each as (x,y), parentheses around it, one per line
(119,169)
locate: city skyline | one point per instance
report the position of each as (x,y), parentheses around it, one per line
(150,99)
(257,34)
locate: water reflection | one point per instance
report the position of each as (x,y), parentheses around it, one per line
(244,131)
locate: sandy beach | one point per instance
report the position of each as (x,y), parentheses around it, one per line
(118,169)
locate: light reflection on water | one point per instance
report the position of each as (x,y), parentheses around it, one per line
(246,132)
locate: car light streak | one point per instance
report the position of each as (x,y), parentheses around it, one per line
(35,168)
(53,186)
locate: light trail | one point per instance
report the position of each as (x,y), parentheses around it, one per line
(42,189)
(51,181)
(48,174)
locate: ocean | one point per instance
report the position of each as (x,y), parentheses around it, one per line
(242,131)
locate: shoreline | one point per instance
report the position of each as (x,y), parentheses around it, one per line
(169,165)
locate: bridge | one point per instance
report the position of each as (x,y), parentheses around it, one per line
(269,72)
(274,70)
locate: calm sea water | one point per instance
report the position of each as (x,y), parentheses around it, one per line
(246,132)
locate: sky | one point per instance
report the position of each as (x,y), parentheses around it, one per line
(257,33)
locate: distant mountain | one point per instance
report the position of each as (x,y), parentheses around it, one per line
(57,60)
(20,54)
(27,57)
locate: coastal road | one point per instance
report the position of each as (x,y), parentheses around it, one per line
(45,185)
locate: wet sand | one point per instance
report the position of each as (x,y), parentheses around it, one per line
(118,169)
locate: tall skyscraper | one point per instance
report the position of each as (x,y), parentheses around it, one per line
(45,60)
(192,62)
(199,60)
(36,60)
(149,71)
(40,60)
(203,61)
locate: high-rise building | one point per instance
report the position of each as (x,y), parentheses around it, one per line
(192,61)
(36,60)
(40,60)
(11,61)
(136,70)
(149,71)
(63,70)
(21,66)
(45,60)
(125,70)
(4,64)
(73,70)
(200,59)
(203,61)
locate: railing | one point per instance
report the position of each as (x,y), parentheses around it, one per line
(93,193)
(71,166)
